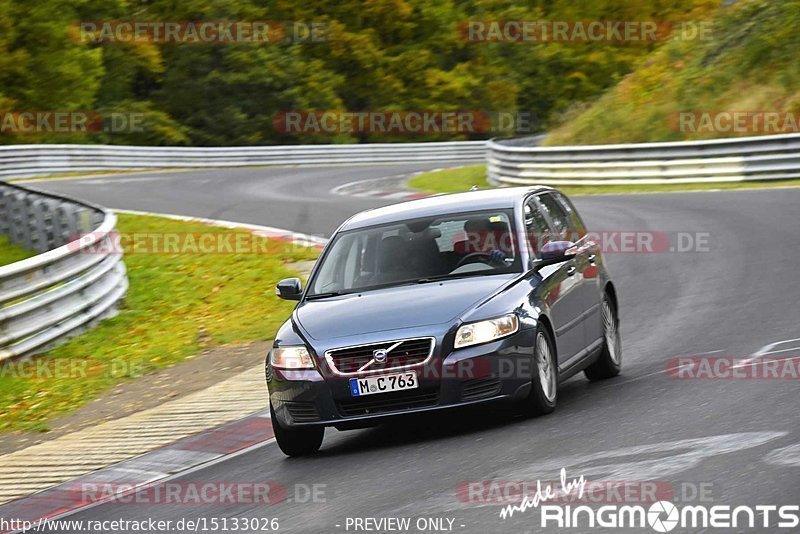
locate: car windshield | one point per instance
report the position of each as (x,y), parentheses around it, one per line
(449,246)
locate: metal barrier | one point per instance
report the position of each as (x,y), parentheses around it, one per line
(36,160)
(772,157)
(71,284)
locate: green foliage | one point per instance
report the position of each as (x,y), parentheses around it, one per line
(377,55)
(463,178)
(751,64)
(10,252)
(176,306)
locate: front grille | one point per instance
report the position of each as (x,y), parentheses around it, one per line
(302,412)
(401,354)
(389,402)
(478,388)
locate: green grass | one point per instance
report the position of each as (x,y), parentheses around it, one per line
(451,180)
(463,178)
(751,63)
(177,305)
(10,252)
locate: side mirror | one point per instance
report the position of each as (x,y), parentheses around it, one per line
(289,289)
(555,252)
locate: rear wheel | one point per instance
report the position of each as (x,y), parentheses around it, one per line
(544,384)
(297,441)
(610,361)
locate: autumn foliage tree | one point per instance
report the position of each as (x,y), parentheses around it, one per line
(376,55)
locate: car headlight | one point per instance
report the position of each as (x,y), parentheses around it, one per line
(485,331)
(291,358)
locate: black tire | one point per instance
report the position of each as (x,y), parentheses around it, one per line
(297,441)
(543,396)
(609,363)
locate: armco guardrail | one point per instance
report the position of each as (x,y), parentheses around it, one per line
(70,285)
(36,160)
(720,160)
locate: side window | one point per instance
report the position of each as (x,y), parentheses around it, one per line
(558,216)
(575,221)
(537,229)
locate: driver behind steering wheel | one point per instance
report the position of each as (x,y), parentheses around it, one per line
(483,237)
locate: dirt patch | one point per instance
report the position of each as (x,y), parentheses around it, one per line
(196,373)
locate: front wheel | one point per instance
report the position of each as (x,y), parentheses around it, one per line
(610,361)
(297,441)
(544,384)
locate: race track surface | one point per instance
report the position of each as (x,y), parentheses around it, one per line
(737,439)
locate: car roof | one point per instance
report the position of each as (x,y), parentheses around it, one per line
(478,200)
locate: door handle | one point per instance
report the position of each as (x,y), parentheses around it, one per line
(572,270)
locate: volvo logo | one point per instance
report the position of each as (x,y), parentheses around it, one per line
(379,355)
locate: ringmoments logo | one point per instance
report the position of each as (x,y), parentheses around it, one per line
(663,516)
(660,516)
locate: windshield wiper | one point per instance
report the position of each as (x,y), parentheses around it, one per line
(325,295)
(439,277)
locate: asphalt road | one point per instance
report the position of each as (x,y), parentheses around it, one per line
(295,198)
(736,440)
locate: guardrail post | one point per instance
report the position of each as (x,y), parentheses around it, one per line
(48,298)
(5,212)
(521,162)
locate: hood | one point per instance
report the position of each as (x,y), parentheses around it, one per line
(393,308)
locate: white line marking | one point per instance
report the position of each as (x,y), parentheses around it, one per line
(787,456)
(264,231)
(782,350)
(210,463)
(766,349)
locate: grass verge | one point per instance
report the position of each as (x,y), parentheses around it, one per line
(462,178)
(747,67)
(10,252)
(177,306)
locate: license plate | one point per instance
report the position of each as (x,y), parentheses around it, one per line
(383,384)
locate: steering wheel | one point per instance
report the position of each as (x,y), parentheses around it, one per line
(485,257)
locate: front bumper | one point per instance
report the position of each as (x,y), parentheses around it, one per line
(483,373)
